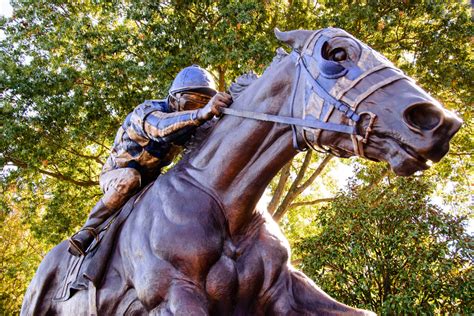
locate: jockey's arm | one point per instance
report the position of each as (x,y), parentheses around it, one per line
(161,126)
(150,120)
(153,123)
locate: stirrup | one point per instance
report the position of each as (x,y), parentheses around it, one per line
(77,247)
(92,231)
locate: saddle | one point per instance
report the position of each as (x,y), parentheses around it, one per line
(83,270)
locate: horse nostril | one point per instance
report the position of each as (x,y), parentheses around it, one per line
(423,116)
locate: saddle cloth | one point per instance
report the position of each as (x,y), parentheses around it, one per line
(91,267)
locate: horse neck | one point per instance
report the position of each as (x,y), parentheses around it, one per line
(241,156)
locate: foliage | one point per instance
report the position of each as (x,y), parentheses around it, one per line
(390,250)
(70,73)
(20,253)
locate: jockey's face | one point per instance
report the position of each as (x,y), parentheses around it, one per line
(188,100)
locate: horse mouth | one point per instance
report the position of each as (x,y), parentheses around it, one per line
(403,158)
(411,152)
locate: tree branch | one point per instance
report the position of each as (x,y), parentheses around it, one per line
(284,175)
(296,190)
(58,175)
(316,173)
(467,153)
(293,192)
(312,202)
(71,150)
(221,80)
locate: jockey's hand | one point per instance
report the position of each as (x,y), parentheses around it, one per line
(213,107)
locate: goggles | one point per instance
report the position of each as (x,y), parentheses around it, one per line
(189,100)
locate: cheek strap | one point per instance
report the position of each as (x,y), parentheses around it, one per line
(347,107)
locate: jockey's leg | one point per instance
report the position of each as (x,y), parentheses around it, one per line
(80,241)
(118,185)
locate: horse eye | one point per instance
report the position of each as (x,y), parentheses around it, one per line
(338,54)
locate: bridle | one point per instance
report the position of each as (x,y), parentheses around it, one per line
(327,70)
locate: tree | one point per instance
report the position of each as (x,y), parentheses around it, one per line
(20,252)
(69,74)
(390,250)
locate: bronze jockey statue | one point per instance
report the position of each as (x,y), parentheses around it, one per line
(149,139)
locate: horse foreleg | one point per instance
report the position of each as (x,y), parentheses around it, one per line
(285,291)
(184,298)
(296,294)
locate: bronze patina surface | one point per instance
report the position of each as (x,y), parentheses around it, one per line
(196,245)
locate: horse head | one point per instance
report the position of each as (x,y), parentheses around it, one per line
(385,114)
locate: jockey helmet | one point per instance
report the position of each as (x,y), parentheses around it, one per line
(193,78)
(192,88)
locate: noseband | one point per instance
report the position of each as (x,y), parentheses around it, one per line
(329,70)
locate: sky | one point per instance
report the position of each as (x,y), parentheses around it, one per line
(5,8)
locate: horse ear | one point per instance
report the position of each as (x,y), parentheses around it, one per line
(296,39)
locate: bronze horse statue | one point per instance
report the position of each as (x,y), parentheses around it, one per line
(195,244)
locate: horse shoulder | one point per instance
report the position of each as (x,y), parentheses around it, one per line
(176,232)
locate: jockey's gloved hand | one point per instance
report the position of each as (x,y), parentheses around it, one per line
(213,107)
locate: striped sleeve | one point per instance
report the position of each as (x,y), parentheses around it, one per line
(152,122)
(159,124)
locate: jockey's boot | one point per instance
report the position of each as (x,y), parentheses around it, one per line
(80,241)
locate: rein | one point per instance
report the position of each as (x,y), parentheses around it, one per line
(306,122)
(331,102)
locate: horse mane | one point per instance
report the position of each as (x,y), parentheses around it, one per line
(198,137)
(242,83)
(280,54)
